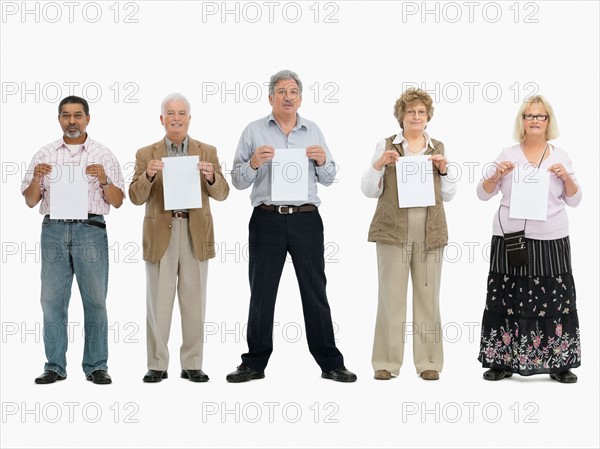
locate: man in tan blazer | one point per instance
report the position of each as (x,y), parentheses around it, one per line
(176,243)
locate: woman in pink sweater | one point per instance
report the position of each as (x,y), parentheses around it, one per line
(530,323)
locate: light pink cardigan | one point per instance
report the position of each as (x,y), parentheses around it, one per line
(557,224)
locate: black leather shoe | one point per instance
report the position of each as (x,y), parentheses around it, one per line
(565,377)
(244,373)
(340,374)
(194,375)
(153,376)
(100,377)
(496,374)
(49,377)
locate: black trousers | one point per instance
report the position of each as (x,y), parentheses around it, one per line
(272,236)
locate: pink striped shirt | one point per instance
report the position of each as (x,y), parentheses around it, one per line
(90,152)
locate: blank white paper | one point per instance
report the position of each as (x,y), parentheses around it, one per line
(289,175)
(529,194)
(415,181)
(181,183)
(68,192)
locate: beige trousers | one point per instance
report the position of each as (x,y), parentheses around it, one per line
(180,271)
(394,263)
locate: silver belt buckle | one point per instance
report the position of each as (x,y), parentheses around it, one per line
(70,220)
(288,210)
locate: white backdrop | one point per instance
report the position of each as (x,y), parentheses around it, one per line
(478,60)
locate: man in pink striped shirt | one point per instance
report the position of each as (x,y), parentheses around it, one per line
(74,246)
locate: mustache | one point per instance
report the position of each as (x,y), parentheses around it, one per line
(73,134)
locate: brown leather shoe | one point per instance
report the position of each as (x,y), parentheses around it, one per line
(430,375)
(383,374)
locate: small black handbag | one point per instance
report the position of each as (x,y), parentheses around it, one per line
(516,249)
(515,246)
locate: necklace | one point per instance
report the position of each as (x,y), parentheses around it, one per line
(533,162)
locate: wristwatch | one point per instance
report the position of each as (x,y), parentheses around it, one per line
(108,182)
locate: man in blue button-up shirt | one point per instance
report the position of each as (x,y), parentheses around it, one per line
(277,228)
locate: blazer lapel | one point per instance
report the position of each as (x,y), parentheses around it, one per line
(194,148)
(159,150)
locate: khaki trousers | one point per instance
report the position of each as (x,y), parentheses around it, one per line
(394,263)
(180,271)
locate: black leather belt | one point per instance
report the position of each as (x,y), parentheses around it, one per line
(287,210)
(180,214)
(100,224)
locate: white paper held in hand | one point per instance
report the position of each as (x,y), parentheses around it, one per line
(289,175)
(68,192)
(414,176)
(529,194)
(181,183)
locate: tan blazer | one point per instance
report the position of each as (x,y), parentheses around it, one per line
(157,220)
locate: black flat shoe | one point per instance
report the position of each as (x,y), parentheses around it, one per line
(340,374)
(194,375)
(496,374)
(244,373)
(100,377)
(153,376)
(565,377)
(49,377)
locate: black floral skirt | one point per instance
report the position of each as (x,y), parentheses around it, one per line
(530,323)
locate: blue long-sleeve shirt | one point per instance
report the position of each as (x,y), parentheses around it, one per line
(266,131)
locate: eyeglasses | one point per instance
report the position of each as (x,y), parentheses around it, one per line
(539,117)
(420,113)
(291,93)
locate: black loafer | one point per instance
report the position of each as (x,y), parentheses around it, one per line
(340,374)
(153,376)
(496,374)
(100,377)
(194,375)
(565,377)
(244,373)
(49,377)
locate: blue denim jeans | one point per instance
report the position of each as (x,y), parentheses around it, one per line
(80,249)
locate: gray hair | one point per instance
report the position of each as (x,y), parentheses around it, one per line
(175,97)
(284,75)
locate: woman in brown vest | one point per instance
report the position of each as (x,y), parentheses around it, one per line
(409,239)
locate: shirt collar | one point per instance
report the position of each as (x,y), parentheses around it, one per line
(84,146)
(169,143)
(300,122)
(399,139)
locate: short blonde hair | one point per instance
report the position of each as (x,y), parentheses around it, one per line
(412,95)
(552,130)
